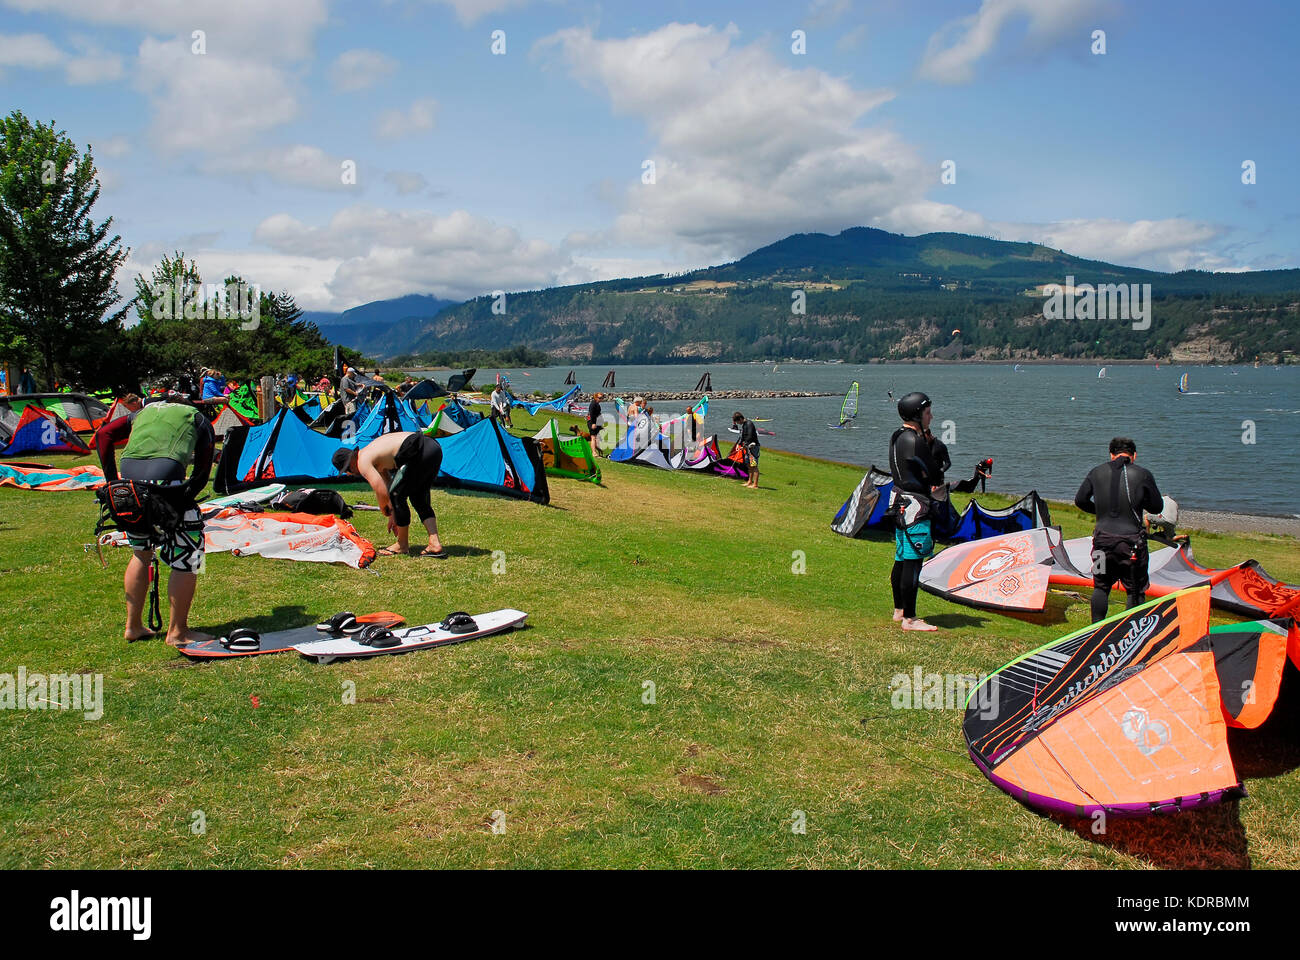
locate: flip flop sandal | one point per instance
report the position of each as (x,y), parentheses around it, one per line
(388,552)
(440,555)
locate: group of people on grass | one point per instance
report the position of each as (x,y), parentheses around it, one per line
(168,437)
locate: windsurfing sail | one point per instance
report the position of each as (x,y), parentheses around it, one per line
(1182,383)
(1101,374)
(849,408)
(1123,716)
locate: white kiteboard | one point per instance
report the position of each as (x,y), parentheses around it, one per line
(412,638)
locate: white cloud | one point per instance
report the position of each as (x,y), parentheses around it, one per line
(471,11)
(358,69)
(393,124)
(953,51)
(1176,243)
(31,51)
(284,29)
(34,51)
(118,146)
(383,253)
(210,101)
(296,165)
(748,149)
(406,182)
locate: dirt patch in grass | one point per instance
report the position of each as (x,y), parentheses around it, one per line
(693,781)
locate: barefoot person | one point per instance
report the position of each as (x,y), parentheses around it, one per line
(748,442)
(915,472)
(401,469)
(162,438)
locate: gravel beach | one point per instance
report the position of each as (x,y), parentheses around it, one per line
(1215,522)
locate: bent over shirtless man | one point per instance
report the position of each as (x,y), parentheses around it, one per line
(400,468)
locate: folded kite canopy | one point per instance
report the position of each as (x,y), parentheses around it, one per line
(1123,716)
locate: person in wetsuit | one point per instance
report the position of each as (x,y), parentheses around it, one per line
(917,474)
(401,469)
(162,439)
(593,422)
(749,443)
(1118,491)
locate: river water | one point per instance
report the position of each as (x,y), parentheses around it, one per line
(1232,442)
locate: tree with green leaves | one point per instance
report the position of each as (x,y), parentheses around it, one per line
(57,265)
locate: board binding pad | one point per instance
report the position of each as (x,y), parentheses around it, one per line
(410,639)
(285,640)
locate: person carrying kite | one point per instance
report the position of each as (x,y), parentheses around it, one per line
(1117,492)
(401,469)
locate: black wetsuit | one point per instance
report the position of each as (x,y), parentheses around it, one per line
(749,442)
(419,458)
(1117,492)
(912,463)
(593,417)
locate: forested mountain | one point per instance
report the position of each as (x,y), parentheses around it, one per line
(866,294)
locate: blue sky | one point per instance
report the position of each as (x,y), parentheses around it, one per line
(477,171)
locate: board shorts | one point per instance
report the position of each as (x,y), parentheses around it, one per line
(418,460)
(183,550)
(1123,562)
(751,455)
(914,543)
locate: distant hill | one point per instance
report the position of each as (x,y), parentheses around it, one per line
(373,327)
(869,294)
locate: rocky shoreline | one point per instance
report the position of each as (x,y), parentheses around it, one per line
(658,395)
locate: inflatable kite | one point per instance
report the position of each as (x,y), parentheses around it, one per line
(867,508)
(1130,715)
(1013,572)
(27,476)
(281,536)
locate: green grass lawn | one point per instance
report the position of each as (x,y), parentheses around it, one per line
(771,695)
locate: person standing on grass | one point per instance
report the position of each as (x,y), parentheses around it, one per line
(593,422)
(748,442)
(401,469)
(916,477)
(162,439)
(1118,491)
(501,405)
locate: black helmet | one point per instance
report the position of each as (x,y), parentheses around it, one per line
(911,406)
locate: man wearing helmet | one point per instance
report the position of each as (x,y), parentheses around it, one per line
(916,476)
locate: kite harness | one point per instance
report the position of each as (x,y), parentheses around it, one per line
(137,509)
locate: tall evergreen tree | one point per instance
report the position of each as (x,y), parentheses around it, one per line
(57,265)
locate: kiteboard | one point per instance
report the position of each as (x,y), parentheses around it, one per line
(457,628)
(248,643)
(761,430)
(257,495)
